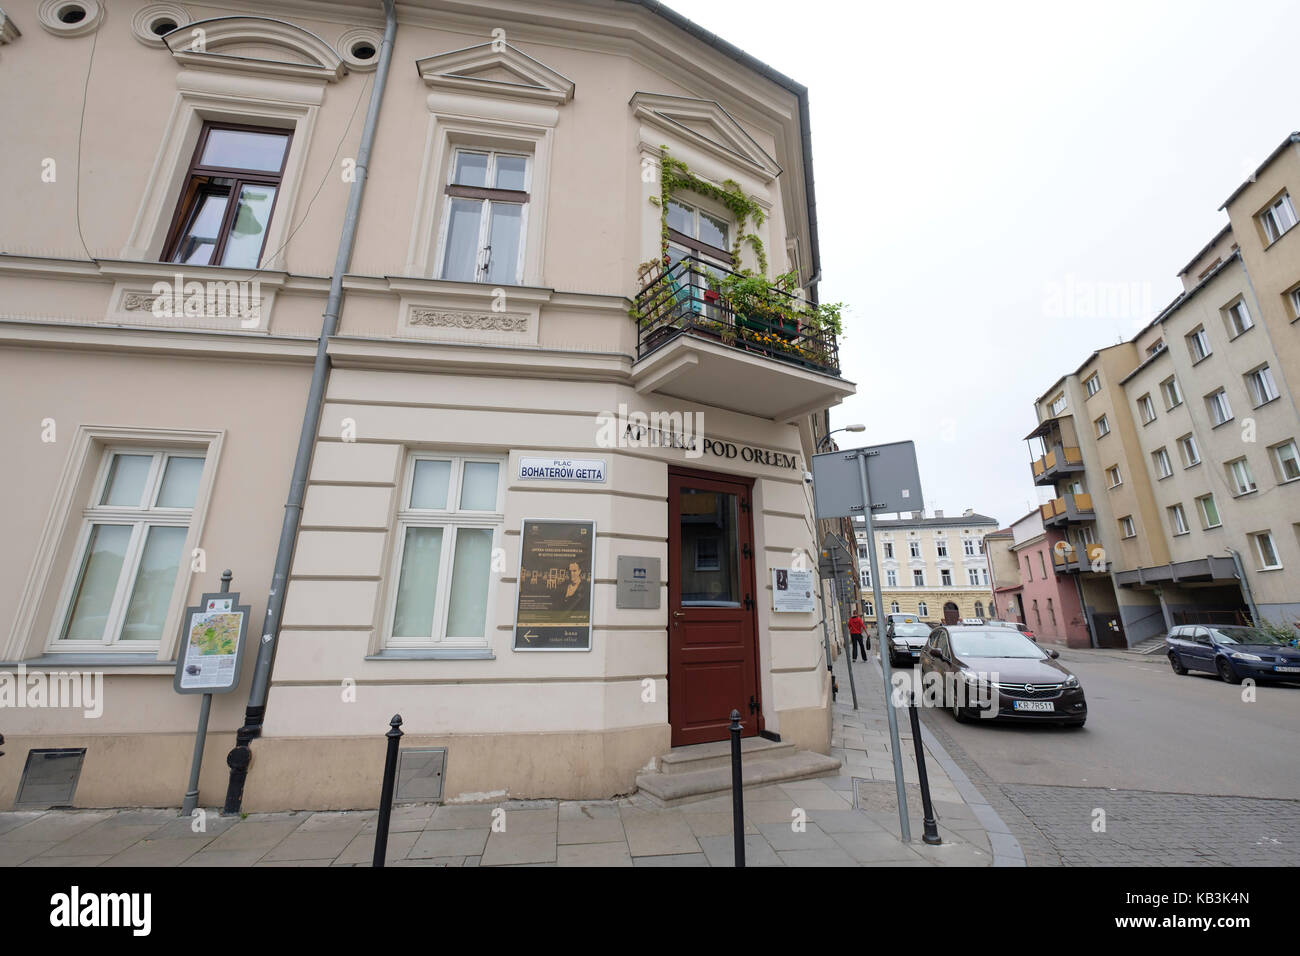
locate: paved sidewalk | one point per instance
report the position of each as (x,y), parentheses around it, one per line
(850,820)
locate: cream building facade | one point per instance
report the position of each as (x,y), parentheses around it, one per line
(515,212)
(1173,456)
(936,567)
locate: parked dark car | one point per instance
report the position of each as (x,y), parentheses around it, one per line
(1233,652)
(1019,678)
(905,640)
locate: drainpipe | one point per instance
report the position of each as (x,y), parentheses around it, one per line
(1245,586)
(1083,609)
(241,756)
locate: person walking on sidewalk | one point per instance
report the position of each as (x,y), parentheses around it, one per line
(856,627)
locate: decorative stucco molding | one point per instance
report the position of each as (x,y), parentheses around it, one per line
(482,321)
(153,22)
(70,18)
(353,44)
(705,124)
(495,69)
(241,44)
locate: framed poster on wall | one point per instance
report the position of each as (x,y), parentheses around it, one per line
(553,608)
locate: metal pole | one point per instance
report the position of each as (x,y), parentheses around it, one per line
(737,791)
(394,736)
(884,650)
(848,646)
(239,758)
(931,827)
(191,801)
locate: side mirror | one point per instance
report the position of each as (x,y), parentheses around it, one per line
(1053,654)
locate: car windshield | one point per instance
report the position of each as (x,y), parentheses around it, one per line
(911,630)
(1002,642)
(1245,635)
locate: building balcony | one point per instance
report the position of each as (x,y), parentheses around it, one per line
(756,354)
(1070,560)
(1067,510)
(1062,460)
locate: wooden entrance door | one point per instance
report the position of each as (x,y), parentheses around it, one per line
(712,620)
(950,613)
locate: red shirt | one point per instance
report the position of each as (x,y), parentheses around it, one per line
(855,625)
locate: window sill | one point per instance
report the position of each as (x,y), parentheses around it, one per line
(1271,567)
(1288,481)
(1233,338)
(1220,424)
(1191,466)
(1163,477)
(1268,401)
(141,663)
(433,654)
(1196,362)
(1179,534)
(1243,494)
(1170,408)
(1213,527)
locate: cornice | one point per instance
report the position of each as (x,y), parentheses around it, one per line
(149,340)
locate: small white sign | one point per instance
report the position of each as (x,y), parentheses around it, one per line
(562,469)
(792,590)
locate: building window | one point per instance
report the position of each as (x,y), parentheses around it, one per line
(1103,427)
(868,609)
(922,609)
(1178,520)
(1220,410)
(1163,466)
(1157,346)
(1294,296)
(1051,612)
(450,521)
(968,546)
(694,232)
(1239,477)
(891,579)
(1029,568)
(1113,476)
(1058,404)
(914,548)
(229,194)
(1173,395)
(889,549)
(1146,409)
(1265,551)
(1286,461)
(941,548)
(979,608)
(1237,318)
(1191,454)
(863,554)
(866,577)
(893,607)
(918,579)
(1198,344)
(1260,383)
(1209,511)
(130,550)
(486,217)
(1042,564)
(1278,218)
(1126,527)
(945,577)
(1093,384)
(1037,617)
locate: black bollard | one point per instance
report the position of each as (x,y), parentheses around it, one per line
(931,827)
(386,798)
(737,790)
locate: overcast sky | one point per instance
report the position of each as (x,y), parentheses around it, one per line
(978,163)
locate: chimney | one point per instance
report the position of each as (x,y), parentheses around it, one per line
(918,515)
(968,512)
(938,514)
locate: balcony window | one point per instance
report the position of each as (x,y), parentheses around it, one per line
(692,231)
(485,217)
(1220,410)
(1278,218)
(230,190)
(1237,318)
(1259,382)
(1198,344)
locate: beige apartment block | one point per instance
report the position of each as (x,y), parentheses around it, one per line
(1186,467)
(522,340)
(936,567)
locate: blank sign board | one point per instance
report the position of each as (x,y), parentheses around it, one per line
(891,471)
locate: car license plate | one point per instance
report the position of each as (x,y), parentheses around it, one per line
(917,653)
(1287,670)
(1033,705)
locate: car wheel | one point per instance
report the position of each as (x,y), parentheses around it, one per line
(957,715)
(1176,664)
(1226,673)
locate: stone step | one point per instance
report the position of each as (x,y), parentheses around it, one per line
(717,754)
(677,789)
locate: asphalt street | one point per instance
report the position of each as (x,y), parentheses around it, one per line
(1185,769)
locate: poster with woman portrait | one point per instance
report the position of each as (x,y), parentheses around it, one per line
(553,612)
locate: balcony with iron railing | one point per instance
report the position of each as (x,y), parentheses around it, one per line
(1068,509)
(765,354)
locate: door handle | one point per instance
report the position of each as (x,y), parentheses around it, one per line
(679,613)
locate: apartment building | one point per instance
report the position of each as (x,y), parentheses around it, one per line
(933,567)
(1036,581)
(549,450)
(1173,457)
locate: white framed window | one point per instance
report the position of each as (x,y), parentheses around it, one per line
(1126,527)
(1146,409)
(968,547)
(1286,461)
(1294,296)
(972,576)
(868,609)
(450,520)
(485,218)
(863,554)
(1198,344)
(1278,218)
(891,579)
(893,607)
(1164,468)
(1209,512)
(1220,410)
(1259,381)
(1113,476)
(130,550)
(945,577)
(693,231)
(1265,550)
(918,579)
(1170,390)
(914,548)
(866,577)
(1178,520)
(922,609)
(889,549)
(1093,384)
(1058,404)
(1157,346)
(941,548)
(1103,427)
(1187,447)
(1237,318)
(1239,477)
